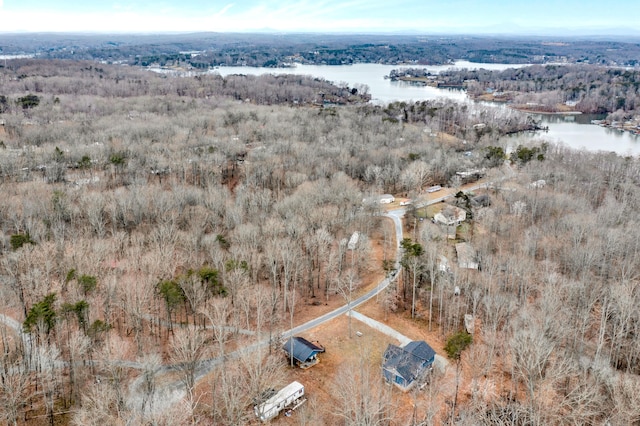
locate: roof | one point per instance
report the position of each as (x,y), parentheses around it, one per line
(302,348)
(467,257)
(266,409)
(408,361)
(420,349)
(451,215)
(481,200)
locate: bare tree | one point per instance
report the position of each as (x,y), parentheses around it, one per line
(262,371)
(230,397)
(14,391)
(187,350)
(346,285)
(531,351)
(100,406)
(362,398)
(151,364)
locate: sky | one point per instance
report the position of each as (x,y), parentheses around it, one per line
(539,17)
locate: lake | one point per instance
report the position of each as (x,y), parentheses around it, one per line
(574,131)
(382,90)
(577,132)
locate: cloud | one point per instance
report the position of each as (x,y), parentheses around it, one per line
(291,15)
(223,10)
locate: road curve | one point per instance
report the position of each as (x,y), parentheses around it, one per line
(396,216)
(174,392)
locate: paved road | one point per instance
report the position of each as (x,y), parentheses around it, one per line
(174,392)
(452,194)
(396,216)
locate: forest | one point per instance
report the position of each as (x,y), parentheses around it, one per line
(206,50)
(157,229)
(595,90)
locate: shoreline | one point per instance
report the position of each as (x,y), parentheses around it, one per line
(533,111)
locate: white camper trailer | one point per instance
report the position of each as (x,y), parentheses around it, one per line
(291,396)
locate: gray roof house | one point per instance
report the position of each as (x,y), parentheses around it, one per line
(403,366)
(303,352)
(451,215)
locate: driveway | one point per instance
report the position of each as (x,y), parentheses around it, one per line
(440,363)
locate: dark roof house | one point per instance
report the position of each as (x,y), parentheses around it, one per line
(402,366)
(303,352)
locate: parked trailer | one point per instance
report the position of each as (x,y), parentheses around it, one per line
(291,396)
(434,188)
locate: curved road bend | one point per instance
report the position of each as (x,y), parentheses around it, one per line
(173,392)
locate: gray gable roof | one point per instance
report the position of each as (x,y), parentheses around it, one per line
(408,361)
(420,349)
(302,348)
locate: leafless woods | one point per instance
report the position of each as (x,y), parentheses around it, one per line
(155,224)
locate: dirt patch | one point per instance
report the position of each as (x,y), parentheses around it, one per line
(320,380)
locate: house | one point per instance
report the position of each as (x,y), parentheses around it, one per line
(482,200)
(382,199)
(403,366)
(467,257)
(302,352)
(387,199)
(470,175)
(450,215)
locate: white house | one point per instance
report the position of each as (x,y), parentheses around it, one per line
(387,199)
(450,215)
(382,199)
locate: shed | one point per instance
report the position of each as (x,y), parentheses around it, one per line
(303,352)
(403,366)
(353,241)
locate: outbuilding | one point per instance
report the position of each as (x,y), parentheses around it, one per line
(302,352)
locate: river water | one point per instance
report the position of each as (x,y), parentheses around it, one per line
(573,131)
